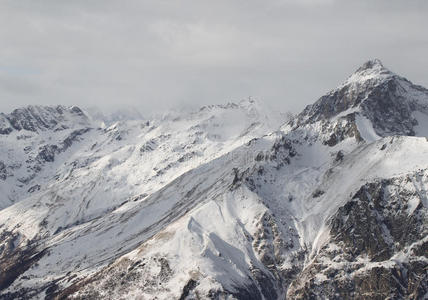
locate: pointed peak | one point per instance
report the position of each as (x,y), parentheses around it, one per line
(371,65)
(369,71)
(351,93)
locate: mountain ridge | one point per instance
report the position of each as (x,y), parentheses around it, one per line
(37,117)
(325,207)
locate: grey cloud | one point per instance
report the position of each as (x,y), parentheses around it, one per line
(17,85)
(160,54)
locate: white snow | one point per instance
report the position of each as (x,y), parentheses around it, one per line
(422,128)
(365,128)
(166,187)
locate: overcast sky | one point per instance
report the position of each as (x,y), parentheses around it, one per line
(163,54)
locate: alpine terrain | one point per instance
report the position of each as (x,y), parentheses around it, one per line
(228,202)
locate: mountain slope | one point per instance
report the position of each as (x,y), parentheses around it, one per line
(30,139)
(199,206)
(253,244)
(375,97)
(94,181)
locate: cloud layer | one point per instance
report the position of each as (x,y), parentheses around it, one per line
(167,53)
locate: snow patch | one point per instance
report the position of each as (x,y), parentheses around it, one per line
(365,128)
(422,128)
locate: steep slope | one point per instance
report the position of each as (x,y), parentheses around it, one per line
(334,205)
(42,145)
(116,169)
(285,228)
(253,242)
(31,139)
(379,101)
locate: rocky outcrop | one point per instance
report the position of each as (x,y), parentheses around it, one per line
(378,247)
(344,128)
(34,118)
(383,97)
(389,109)
(32,138)
(47,152)
(3,171)
(17,255)
(351,94)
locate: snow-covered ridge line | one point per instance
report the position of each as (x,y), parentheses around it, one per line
(392,104)
(167,146)
(217,203)
(34,118)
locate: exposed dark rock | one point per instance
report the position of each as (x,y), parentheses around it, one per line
(5,131)
(74,136)
(344,128)
(47,153)
(187,156)
(272,249)
(34,188)
(281,152)
(118,278)
(190,285)
(317,193)
(383,102)
(260,156)
(339,156)
(34,118)
(376,223)
(148,146)
(247,292)
(15,260)
(3,171)
(390,113)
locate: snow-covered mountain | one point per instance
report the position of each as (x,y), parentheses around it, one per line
(109,118)
(31,141)
(222,203)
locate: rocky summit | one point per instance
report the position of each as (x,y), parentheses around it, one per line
(227,202)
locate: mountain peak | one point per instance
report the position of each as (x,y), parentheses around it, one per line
(37,117)
(371,71)
(371,65)
(387,100)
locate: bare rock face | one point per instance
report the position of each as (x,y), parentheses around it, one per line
(34,118)
(378,247)
(115,281)
(47,152)
(17,255)
(389,110)
(344,128)
(376,93)
(357,89)
(31,139)
(3,171)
